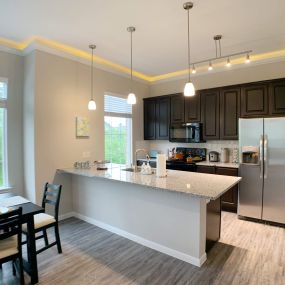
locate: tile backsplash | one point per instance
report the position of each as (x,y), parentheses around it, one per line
(163,146)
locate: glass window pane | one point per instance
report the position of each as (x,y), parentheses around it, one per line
(3,90)
(2,146)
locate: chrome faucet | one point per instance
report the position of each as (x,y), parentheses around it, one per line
(136,153)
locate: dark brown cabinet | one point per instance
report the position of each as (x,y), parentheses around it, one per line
(192,108)
(177,108)
(218,109)
(162,118)
(149,119)
(229,113)
(254,100)
(156,118)
(277,98)
(210,113)
(229,200)
(206,169)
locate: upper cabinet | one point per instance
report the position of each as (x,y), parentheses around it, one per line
(149,119)
(254,100)
(162,118)
(219,109)
(177,108)
(277,98)
(229,113)
(156,118)
(210,113)
(192,108)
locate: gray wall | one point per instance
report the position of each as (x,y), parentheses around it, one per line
(11,67)
(62,92)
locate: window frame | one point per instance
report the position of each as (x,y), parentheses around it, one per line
(4,105)
(129,127)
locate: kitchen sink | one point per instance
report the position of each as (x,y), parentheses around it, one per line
(130,169)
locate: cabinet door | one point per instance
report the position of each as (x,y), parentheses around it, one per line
(254,100)
(229,200)
(149,119)
(229,113)
(192,108)
(210,114)
(277,98)
(162,118)
(177,108)
(206,169)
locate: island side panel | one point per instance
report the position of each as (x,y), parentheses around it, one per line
(173,223)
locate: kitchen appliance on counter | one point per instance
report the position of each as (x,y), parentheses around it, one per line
(188,159)
(225,155)
(262,168)
(213,156)
(187,133)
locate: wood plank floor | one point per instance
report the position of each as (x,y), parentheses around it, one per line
(248,253)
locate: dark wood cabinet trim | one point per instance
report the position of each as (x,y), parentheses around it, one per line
(229,125)
(210,132)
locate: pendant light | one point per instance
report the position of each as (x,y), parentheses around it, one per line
(131,97)
(91,103)
(189,89)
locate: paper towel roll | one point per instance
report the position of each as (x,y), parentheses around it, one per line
(161,165)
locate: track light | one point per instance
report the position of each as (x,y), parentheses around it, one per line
(247,59)
(228,64)
(210,66)
(193,69)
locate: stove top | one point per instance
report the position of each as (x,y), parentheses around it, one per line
(183,164)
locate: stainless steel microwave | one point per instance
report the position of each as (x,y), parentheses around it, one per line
(187,133)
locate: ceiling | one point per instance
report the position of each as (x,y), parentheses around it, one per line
(160,40)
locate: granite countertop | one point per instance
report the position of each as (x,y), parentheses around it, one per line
(208,186)
(220,164)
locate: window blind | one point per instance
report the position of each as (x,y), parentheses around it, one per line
(117,106)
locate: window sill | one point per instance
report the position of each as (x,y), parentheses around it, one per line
(6,188)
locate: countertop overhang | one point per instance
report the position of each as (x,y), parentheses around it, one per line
(201,185)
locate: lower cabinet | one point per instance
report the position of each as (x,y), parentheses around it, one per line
(229,200)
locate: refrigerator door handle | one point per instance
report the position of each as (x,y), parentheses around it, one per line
(261,156)
(265,156)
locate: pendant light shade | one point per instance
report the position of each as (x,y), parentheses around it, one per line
(131,97)
(91,103)
(189,89)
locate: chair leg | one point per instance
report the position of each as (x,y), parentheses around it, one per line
(56,231)
(21,268)
(45,237)
(14,267)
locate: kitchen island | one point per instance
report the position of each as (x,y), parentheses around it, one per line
(174,215)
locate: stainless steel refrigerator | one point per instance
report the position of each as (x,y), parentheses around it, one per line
(262,168)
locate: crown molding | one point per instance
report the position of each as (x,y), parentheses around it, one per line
(62,50)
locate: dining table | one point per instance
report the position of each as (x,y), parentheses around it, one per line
(29,211)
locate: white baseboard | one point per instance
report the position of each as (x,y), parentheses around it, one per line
(66,216)
(153,245)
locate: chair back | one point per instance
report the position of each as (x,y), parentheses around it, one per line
(11,225)
(51,196)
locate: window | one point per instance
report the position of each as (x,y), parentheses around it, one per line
(118,130)
(3,133)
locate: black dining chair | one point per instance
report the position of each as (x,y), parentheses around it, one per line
(11,240)
(44,221)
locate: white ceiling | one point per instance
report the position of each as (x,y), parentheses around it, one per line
(160,44)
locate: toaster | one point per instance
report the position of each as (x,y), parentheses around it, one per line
(213,156)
